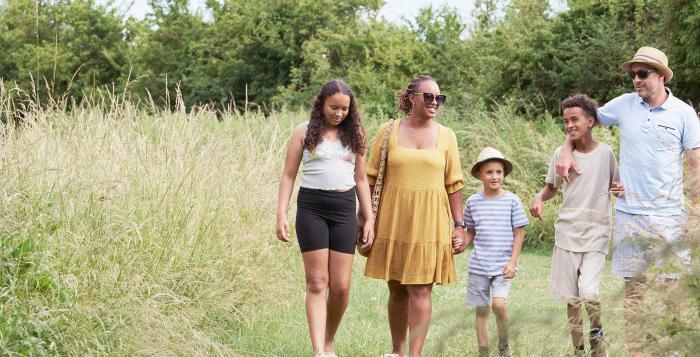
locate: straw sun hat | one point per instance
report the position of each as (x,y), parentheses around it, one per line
(488,154)
(652,57)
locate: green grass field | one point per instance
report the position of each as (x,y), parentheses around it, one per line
(538,323)
(132,231)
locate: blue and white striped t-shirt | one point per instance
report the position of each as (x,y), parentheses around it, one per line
(494,220)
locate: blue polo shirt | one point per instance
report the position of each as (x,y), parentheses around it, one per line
(652,141)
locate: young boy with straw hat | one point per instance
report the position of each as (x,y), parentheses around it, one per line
(495,221)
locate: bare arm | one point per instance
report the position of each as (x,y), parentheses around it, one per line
(456,205)
(509,270)
(366,222)
(566,162)
(547,193)
(455,199)
(692,158)
(292,159)
(469,237)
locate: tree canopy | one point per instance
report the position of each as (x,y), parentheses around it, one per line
(277,53)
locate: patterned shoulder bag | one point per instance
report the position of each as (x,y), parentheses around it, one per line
(378,184)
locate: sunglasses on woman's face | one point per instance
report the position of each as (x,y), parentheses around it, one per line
(642,73)
(429,97)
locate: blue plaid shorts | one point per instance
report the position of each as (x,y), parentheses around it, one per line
(641,240)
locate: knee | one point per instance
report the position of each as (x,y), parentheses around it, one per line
(499,307)
(422,293)
(339,291)
(316,284)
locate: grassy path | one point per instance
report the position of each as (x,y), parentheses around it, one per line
(537,324)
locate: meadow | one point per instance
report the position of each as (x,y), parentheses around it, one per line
(128,229)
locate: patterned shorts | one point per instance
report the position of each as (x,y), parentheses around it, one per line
(641,240)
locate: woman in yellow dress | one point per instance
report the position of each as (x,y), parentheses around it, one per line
(419,223)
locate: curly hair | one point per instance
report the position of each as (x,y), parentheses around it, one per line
(351,132)
(588,105)
(403,102)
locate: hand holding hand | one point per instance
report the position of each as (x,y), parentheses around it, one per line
(458,245)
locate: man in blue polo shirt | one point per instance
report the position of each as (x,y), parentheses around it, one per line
(656,130)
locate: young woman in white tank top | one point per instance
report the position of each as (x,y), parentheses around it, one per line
(331,146)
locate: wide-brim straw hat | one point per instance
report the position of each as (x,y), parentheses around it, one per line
(652,57)
(488,154)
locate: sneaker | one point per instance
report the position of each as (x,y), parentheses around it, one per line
(504,351)
(579,352)
(484,352)
(329,354)
(597,343)
(390,355)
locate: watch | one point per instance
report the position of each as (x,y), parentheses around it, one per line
(460,224)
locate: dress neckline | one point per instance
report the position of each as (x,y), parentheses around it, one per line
(395,137)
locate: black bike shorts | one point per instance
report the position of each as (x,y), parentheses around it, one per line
(326,220)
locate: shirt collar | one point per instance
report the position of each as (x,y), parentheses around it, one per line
(665,105)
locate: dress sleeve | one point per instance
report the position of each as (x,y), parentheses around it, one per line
(454,180)
(374,157)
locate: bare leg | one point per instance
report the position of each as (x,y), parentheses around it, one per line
(398,316)
(573,312)
(340,272)
(482,317)
(316,272)
(420,308)
(596,334)
(634,297)
(498,306)
(593,309)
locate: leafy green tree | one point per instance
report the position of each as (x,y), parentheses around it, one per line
(162,53)
(64,46)
(682,31)
(253,47)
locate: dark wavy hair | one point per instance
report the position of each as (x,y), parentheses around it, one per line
(403,102)
(352,134)
(587,105)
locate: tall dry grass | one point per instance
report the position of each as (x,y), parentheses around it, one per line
(127,231)
(131,230)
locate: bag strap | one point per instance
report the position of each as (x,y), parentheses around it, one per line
(383,153)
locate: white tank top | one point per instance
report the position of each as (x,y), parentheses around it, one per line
(330,166)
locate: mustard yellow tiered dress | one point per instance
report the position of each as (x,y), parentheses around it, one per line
(413,237)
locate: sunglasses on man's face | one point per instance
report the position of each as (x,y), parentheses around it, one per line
(429,97)
(642,73)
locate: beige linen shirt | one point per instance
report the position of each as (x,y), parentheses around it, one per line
(584,216)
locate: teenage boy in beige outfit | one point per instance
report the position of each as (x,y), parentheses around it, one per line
(582,230)
(652,229)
